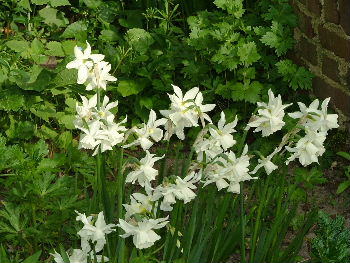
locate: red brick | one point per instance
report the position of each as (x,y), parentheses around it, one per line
(330,68)
(314,6)
(338,97)
(344,13)
(333,42)
(308,51)
(330,11)
(305,24)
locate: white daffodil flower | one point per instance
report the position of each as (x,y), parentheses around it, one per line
(305,111)
(215,173)
(236,170)
(78,256)
(99,76)
(139,204)
(210,147)
(202,109)
(145,172)
(104,112)
(184,112)
(223,135)
(183,187)
(149,131)
(84,62)
(167,191)
(267,164)
(92,136)
(327,121)
(86,112)
(270,116)
(308,148)
(142,232)
(94,233)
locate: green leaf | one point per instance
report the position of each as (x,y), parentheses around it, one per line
(19,46)
(37,50)
(68,46)
(77,30)
(279,38)
(344,155)
(25,4)
(233,7)
(64,78)
(146,102)
(297,77)
(92,3)
(11,100)
(33,258)
(55,3)
(108,35)
(50,17)
(343,186)
(129,87)
(54,49)
(67,120)
(37,79)
(45,132)
(248,54)
(249,92)
(139,39)
(40,2)
(44,111)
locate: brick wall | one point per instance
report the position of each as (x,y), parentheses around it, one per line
(323,46)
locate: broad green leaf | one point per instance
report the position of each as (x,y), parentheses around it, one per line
(66,120)
(139,39)
(108,35)
(77,30)
(248,54)
(343,186)
(92,3)
(37,50)
(19,46)
(37,79)
(64,78)
(55,3)
(50,17)
(44,111)
(40,2)
(54,49)
(68,46)
(129,87)
(146,102)
(25,4)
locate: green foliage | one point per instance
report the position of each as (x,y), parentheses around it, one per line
(296,77)
(331,243)
(38,200)
(346,184)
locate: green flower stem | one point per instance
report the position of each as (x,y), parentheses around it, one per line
(258,221)
(243,223)
(120,187)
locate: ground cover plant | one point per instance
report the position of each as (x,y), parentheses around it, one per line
(135,146)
